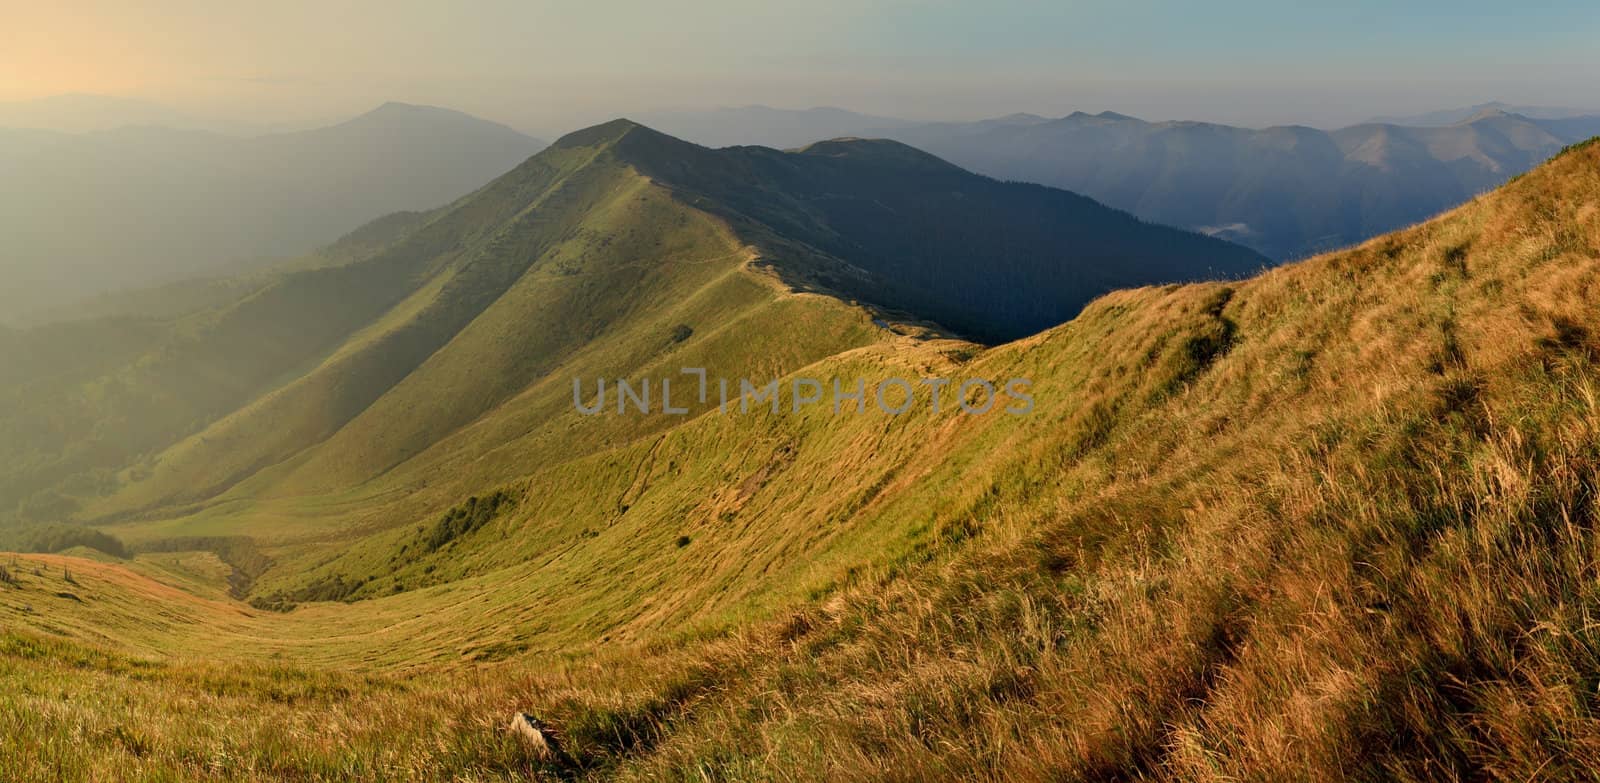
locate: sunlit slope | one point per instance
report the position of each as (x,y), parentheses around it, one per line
(88,399)
(599,272)
(717,520)
(84,401)
(433,350)
(1356,543)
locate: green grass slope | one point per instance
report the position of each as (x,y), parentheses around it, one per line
(87,400)
(592,274)
(437,344)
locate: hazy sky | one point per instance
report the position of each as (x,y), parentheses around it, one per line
(550,66)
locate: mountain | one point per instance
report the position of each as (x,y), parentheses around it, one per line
(1286,192)
(1575,128)
(766,126)
(89,214)
(992,260)
(590,253)
(1453,116)
(1336,521)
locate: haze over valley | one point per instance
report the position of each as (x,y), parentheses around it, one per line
(133,206)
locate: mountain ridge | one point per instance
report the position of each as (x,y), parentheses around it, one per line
(572,258)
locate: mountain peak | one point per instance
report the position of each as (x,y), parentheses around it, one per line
(1491,112)
(875,150)
(398,114)
(645,146)
(596,135)
(397,109)
(1104,115)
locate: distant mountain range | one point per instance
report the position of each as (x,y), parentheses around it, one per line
(1287,191)
(1453,116)
(90,213)
(81,214)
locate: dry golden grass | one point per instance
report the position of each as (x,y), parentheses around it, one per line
(1361,545)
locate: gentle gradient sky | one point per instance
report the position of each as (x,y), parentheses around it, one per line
(549,66)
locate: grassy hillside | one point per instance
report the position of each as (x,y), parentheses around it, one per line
(1335,521)
(431,350)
